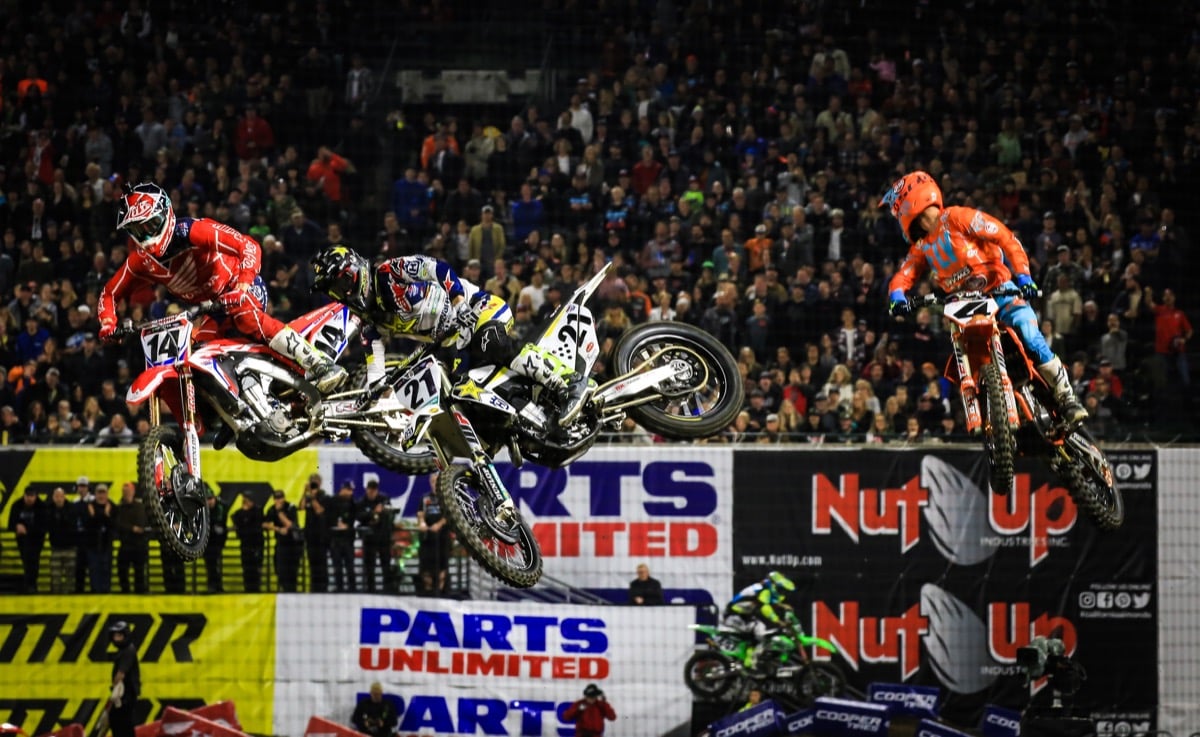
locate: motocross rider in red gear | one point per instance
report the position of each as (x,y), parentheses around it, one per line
(198,260)
(968,250)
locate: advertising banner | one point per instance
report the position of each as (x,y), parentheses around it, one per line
(56,658)
(920,576)
(475,667)
(228,472)
(597,519)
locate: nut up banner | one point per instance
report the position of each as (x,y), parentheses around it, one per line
(920,576)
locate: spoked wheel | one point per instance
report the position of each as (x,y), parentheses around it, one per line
(175,497)
(819,679)
(507,550)
(999,440)
(1089,479)
(385,448)
(709,674)
(705,393)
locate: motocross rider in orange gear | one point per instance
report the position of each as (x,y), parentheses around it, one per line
(965,249)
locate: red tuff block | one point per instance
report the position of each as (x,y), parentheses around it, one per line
(319,727)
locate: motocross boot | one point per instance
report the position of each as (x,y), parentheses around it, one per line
(548,370)
(318,367)
(1069,408)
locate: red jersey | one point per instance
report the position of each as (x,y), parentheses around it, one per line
(1169,323)
(968,251)
(204,260)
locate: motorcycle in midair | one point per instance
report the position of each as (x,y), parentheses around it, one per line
(672,378)
(782,669)
(1008,403)
(263,400)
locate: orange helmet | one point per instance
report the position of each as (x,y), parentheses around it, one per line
(910,196)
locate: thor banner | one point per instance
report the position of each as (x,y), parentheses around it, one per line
(597,519)
(56,657)
(920,576)
(477,667)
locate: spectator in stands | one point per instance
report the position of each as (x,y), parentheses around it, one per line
(282,519)
(343,515)
(376,522)
(315,505)
(248,521)
(434,560)
(645,590)
(218,534)
(1172,331)
(133,554)
(64,527)
(29,521)
(99,531)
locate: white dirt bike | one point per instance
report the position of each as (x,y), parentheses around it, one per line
(672,378)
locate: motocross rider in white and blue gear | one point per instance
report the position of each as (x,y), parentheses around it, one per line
(423,299)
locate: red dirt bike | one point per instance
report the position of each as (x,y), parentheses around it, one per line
(269,410)
(1007,401)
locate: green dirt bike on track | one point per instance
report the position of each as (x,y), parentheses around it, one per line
(725,671)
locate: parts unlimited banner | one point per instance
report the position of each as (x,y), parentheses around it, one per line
(920,576)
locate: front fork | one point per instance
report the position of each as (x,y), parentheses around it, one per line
(483,467)
(969,390)
(191,439)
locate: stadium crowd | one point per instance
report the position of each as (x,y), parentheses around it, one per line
(728,160)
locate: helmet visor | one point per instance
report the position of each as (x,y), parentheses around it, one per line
(146,230)
(342,287)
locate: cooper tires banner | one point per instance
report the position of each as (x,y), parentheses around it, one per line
(904,561)
(479,667)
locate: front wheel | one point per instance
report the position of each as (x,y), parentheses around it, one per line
(705,394)
(383,447)
(1089,479)
(709,674)
(507,550)
(999,439)
(175,498)
(819,679)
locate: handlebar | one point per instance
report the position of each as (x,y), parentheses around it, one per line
(939,299)
(127,328)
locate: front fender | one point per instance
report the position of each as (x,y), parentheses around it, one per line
(145,385)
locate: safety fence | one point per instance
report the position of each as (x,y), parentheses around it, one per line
(901,558)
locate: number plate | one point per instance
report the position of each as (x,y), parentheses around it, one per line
(167,344)
(964,310)
(421,386)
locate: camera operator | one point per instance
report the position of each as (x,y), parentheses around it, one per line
(376,518)
(590,712)
(283,519)
(375,716)
(315,504)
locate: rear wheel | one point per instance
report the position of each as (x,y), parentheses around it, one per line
(507,550)
(709,674)
(706,393)
(175,498)
(385,448)
(999,439)
(1089,479)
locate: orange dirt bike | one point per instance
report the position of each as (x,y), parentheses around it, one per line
(1006,400)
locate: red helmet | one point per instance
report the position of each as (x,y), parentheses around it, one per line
(910,196)
(145,213)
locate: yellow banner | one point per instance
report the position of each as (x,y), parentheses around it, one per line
(56,658)
(228,472)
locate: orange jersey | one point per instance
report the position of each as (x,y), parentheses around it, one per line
(969,251)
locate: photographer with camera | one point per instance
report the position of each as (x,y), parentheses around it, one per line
(376,520)
(343,513)
(218,535)
(590,712)
(1051,711)
(375,715)
(283,519)
(315,504)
